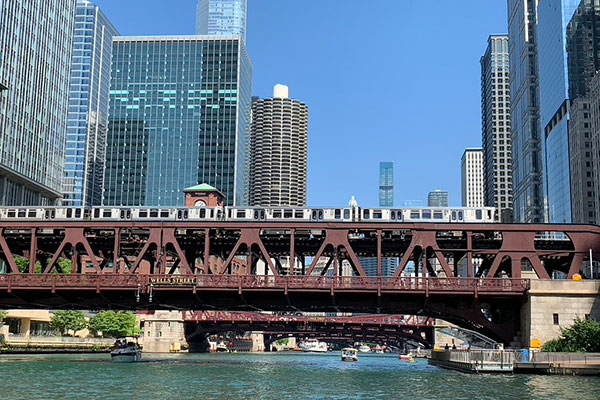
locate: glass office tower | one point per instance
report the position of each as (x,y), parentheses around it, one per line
(526,137)
(179,115)
(35,57)
(437,198)
(386,184)
(222,17)
(553,18)
(88,106)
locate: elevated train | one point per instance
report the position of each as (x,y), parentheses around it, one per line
(247,214)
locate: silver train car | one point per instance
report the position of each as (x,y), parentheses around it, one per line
(271,214)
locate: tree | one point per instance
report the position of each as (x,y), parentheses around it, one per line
(582,336)
(23,264)
(3,314)
(65,321)
(115,324)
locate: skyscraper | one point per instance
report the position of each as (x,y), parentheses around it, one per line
(472,178)
(553,17)
(179,115)
(35,58)
(278,150)
(526,137)
(437,198)
(583,49)
(88,106)
(495,121)
(386,184)
(222,17)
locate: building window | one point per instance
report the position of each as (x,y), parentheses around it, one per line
(555,319)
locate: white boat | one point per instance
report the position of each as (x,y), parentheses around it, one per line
(314,346)
(131,353)
(407,358)
(349,354)
(364,348)
(222,348)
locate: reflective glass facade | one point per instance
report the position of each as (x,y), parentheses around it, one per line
(222,17)
(179,115)
(553,18)
(526,136)
(386,184)
(88,106)
(437,198)
(35,56)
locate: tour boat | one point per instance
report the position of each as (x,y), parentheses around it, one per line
(314,346)
(222,348)
(131,353)
(364,348)
(349,354)
(407,358)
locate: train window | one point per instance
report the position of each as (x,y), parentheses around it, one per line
(255,214)
(69,213)
(453,215)
(314,214)
(107,214)
(203,212)
(164,214)
(337,213)
(366,214)
(22,213)
(438,215)
(478,214)
(211,213)
(47,214)
(415,214)
(185,214)
(346,213)
(122,214)
(393,214)
(426,214)
(11,213)
(376,214)
(489,215)
(298,214)
(179,214)
(31,214)
(78,213)
(320,214)
(143,214)
(277,214)
(96,213)
(287,213)
(128,214)
(153,213)
(460,215)
(240,214)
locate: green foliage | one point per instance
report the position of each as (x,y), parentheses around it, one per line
(582,336)
(23,264)
(115,324)
(3,314)
(64,321)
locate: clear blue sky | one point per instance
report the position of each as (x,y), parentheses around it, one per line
(385,80)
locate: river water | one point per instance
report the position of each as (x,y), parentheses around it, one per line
(267,376)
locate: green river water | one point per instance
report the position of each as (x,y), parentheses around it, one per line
(268,376)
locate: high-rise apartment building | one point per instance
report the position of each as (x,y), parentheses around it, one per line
(386,184)
(594,97)
(583,49)
(35,58)
(526,136)
(278,150)
(437,198)
(471,167)
(88,106)
(222,17)
(495,118)
(553,17)
(179,115)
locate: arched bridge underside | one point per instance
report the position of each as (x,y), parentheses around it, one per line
(374,328)
(470,273)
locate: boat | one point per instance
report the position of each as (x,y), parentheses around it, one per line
(364,348)
(126,352)
(314,346)
(349,354)
(221,348)
(407,358)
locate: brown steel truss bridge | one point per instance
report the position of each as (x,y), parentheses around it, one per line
(470,274)
(374,328)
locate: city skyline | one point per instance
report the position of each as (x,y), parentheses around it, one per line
(343,123)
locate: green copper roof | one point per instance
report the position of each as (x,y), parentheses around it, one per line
(203,187)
